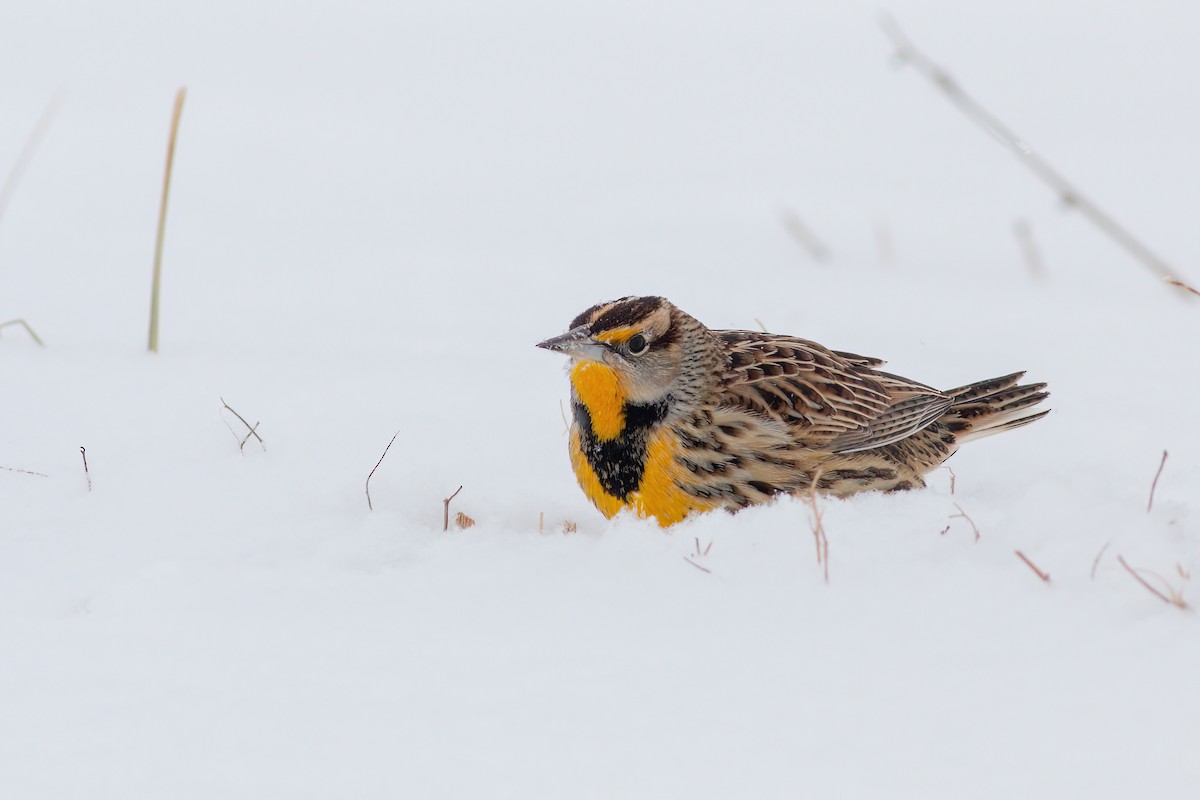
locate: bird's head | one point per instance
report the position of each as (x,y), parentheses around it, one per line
(648,348)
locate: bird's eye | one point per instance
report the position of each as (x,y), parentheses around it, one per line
(637,345)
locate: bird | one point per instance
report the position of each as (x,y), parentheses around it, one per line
(672,419)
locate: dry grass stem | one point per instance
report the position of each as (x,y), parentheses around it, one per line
(86,473)
(953,477)
(818,524)
(25,471)
(805,237)
(462,521)
(541,522)
(963,515)
(1183,573)
(17,170)
(446,509)
(1172,596)
(697,566)
(1096,561)
(1154,484)
(563,414)
(28,330)
(1181,285)
(253,429)
(372,472)
(156,284)
(569,527)
(703,552)
(1045,576)
(1033,255)
(907,53)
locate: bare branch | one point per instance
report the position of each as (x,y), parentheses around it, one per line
(907,53)
(446,509)
(372,472)
(1154,485)
(1045,576)
(28,330)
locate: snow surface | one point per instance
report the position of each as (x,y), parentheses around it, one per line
(380,206)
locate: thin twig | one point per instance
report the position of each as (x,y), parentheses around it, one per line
(818,524)
(1181,285)
(1176,600)
(252,428)
(760,325)
(1096,561)
(805,237)
(446,509)
(1154,485)
(1045,576)
(86,473)
(964,515)
(17,170)
(372,472)
(176,112)
(907,53)
(1033,256)
(28,330)
(953,477)
(541,522)
(26,471)
(697,566)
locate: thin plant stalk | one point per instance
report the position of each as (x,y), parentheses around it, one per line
(180,96)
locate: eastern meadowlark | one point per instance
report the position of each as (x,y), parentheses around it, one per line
(672,418)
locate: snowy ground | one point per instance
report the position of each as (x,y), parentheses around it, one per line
(379,208)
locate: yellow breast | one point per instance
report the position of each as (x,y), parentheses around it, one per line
(658,495)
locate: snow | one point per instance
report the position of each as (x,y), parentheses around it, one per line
(379,208)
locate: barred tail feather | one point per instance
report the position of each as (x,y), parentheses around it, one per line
(992,406)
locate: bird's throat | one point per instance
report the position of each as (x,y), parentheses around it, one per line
(599,389)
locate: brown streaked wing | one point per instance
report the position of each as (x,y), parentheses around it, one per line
(837,400)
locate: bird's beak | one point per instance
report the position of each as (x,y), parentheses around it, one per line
(576,343)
